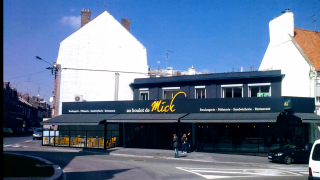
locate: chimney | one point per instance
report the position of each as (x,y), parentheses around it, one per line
(126,23)
(85,17)
(192,70)
(281,27)
(241,69)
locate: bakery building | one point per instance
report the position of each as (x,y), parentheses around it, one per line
(229,112)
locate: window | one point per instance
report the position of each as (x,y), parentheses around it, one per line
(260,90)
(318,100)
(232,91)
(144,94)
(200,92)
(169,93)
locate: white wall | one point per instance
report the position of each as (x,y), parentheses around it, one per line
(283,54)
(103,44)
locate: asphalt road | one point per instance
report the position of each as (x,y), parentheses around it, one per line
(91,165)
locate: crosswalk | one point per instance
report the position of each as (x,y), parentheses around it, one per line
(13,145)
(217,173)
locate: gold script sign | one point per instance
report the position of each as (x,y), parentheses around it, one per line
(160,106)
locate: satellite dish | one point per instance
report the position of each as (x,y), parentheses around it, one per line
(51,99)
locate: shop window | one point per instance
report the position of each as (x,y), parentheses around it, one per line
(200,92)
(318,100)
(169,93)
(260,90)
(144,95)
(232,91)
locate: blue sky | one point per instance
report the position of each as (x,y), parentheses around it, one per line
(212,35)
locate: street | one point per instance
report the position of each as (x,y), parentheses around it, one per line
(82,164)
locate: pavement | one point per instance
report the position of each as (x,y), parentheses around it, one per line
(205,157)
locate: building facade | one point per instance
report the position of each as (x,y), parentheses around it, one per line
(98,62)
(22,110)
(296,53)
(234,112)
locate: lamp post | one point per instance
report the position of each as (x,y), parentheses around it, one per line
(53,67)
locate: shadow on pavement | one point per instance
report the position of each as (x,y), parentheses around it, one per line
(96,175)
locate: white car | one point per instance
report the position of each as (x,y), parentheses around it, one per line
(314,161)
(37,134)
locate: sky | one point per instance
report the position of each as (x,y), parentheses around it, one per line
(214,36)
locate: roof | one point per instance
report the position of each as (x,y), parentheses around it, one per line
(309,42)
(210,77)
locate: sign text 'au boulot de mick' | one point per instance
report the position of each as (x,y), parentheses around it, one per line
(174,106)
(159,106)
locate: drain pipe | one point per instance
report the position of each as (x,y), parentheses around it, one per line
(116,90)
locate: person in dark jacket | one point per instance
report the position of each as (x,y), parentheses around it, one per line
(175,145)
(189,142)
(184,144)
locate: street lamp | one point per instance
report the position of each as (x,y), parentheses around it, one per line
(53,67)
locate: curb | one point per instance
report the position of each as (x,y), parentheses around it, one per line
(57,170)
(158,157)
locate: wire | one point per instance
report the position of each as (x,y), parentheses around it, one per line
(105,70)
(27,75)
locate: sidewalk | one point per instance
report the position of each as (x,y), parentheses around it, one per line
(213,157)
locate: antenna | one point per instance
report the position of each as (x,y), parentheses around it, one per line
(38,90)
(314,22)
(28,85)
(158,64)
(105,4)
(168,56)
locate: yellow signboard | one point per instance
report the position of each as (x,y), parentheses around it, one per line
(160,106)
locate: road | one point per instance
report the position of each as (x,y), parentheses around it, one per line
(92,165)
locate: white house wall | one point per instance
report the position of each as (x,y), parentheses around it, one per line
(100,49)
(282,54)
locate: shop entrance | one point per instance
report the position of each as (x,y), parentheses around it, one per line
(149,135)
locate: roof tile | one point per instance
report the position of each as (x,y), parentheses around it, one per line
(309,42)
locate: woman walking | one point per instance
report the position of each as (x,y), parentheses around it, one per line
(184,144)
(175,145)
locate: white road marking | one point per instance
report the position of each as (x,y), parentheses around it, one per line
(215,173)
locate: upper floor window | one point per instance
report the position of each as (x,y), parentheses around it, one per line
(144,94)
(170,92)
(200,92)
(260,90)
(232,91)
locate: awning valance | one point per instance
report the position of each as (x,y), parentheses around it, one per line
(78,119)
(308,117)
(146,118)
(230,117)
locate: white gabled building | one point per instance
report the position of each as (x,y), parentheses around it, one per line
(98,62)
(296,52)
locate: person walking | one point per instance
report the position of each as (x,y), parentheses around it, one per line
(175,145)
(189,142)
(184,144)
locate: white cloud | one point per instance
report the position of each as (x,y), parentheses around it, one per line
(205,70)
(72,21)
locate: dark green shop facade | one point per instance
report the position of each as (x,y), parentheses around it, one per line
(252,124)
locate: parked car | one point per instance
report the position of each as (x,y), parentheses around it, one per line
(37,134)
(20,130)
(289,153)
(7,132)
(314,161)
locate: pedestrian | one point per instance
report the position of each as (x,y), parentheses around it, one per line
(184,144)
(176,145)
(189,142)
